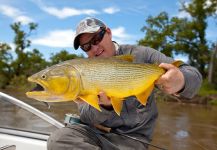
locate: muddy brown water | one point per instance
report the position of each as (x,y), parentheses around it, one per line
(179,126)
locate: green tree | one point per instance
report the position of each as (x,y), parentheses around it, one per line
(36,62)
(182,35)
(5,60)
(63,56)
(212,76)
(27,61)
(21,42)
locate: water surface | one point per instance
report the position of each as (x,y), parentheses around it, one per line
(179,126)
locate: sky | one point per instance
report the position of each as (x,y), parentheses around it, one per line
(57,20)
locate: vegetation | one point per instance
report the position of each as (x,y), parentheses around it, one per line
(16,68)
(187,36)
(184,35)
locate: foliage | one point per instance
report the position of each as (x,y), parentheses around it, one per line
(5,59)
(14,71)
(213,71)
(63,56)
(19,82)
(182,35)
(21,42)
(213,102)
(207,89)
(35,62)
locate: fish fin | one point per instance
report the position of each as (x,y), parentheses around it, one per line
(91,100)
(178,63)
(142,97)
(128,58)
(117,104)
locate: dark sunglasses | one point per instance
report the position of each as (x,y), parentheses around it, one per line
(94,41)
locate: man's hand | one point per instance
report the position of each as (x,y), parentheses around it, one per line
(172,81)
(104,101)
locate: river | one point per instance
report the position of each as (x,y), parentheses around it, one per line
(179,126)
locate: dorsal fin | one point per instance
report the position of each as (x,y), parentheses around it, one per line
(128,57)
(176,63)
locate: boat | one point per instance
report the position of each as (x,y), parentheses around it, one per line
(32,138)
(13,138)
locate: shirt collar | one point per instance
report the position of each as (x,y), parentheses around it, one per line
(116,47)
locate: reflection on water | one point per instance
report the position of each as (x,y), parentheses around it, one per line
(179,126)
(186,127)
(181,134)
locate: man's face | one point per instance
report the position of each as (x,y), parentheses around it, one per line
(98,44)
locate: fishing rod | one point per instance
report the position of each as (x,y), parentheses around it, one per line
(31,109)
(75,119)
(136,139)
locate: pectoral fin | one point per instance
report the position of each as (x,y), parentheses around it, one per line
(91,100)
(177,63)
(117,105)
(142,97)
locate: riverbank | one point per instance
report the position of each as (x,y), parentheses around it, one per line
(210,99)
(203,97)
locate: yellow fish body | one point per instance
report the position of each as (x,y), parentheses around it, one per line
(117,76)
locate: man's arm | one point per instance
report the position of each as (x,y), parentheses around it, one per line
(184,81)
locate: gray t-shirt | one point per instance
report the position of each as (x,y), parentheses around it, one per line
(136,118)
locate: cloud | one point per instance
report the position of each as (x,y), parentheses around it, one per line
(57,38)
(111,10)
(183,14)
(208,3)
(65,12)
(64,38)
(68,12)
(15,14)
(119,35)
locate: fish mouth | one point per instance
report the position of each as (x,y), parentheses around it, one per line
(38,91)
(37,88)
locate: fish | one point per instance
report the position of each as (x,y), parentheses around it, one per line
(118,76)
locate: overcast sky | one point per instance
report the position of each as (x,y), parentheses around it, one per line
(57,19)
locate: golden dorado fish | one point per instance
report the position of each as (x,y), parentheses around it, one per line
(117,76)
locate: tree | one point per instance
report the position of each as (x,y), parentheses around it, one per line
(212,76)
(36,62)
(21,42)
(182,35)
(5,60)
(62,56)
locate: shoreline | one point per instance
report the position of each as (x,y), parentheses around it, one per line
(160,96)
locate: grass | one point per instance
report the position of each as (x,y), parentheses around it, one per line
(207,89)
(213,102)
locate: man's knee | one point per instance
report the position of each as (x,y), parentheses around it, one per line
(71,137)
(56,138)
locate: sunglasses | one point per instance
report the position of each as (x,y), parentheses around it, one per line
(94,41)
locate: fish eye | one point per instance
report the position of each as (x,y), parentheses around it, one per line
(43,76)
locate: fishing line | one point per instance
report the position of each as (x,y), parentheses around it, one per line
(133,138)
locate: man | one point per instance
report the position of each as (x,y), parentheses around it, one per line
(135,125)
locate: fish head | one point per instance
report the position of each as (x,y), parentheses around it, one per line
(55,84)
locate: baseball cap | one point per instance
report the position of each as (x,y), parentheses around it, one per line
(87,25)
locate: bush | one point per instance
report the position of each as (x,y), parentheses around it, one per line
(20,83)
(207,89)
